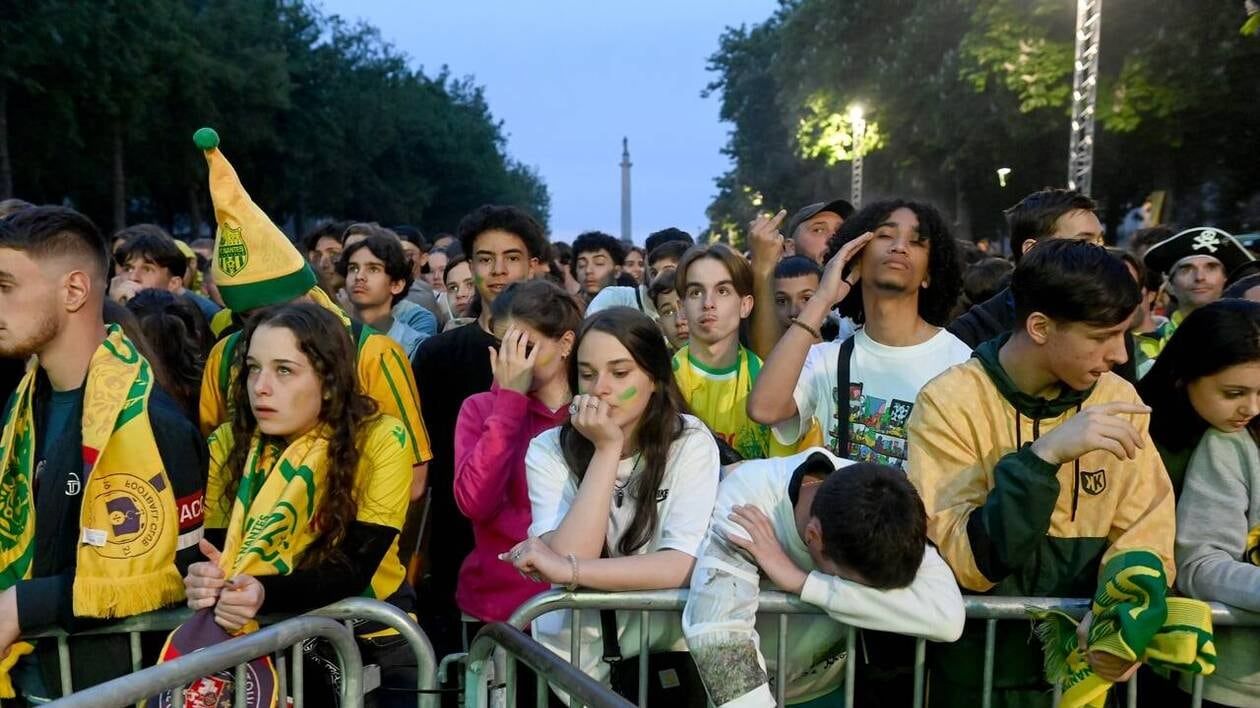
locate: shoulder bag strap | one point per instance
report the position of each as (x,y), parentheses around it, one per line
(843,360)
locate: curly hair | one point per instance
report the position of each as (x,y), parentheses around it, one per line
(343,414)
(944,277)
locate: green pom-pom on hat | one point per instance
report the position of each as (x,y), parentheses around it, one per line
(206,138)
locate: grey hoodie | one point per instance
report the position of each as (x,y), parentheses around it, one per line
(1219,504)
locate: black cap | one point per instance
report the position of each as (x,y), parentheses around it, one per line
(839,207)
(1164,256)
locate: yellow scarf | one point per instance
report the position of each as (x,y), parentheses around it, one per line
(271,521)
(1133,619)
(129,522)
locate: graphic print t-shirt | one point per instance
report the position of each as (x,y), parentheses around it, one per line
(883,382)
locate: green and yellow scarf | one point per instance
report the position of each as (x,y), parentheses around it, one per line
(129,523)
(1133,619)
(271,520)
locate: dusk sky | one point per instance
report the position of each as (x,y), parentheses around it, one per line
(569,79)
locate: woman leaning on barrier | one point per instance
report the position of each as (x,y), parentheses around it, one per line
(1218,515)
(307,492)
(621,494)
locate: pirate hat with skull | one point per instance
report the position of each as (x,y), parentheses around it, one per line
(1166,255)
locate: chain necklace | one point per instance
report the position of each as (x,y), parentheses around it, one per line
(619,490)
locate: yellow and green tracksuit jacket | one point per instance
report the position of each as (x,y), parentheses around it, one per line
(1011,524)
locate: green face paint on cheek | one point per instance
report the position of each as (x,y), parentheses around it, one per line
(628,394)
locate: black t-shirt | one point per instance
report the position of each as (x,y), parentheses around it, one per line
(449,368)
(45,599)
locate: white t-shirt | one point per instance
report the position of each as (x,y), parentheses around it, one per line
(883,383)
(623,296)
(720,618)
(686,498)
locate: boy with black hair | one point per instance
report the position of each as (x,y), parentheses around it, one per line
(597,259)
(322,248)
(666,235)
(101,475)
(502,244)
(670,246)
(796,279)
(670,316)
(1036,467)
(378,277)
(150,258)
(848,538)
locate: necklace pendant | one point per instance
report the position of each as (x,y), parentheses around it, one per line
(618,497)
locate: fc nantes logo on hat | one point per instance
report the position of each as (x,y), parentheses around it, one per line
(233,254)
(255,264)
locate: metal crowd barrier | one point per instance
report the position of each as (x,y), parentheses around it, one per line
(345,610)
(990,609)
(136,687)
(390,616)
(549,668)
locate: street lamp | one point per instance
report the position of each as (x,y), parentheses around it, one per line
(1003,172)
(1084,95)
(859,132)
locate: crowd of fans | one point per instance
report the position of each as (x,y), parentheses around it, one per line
(862,410)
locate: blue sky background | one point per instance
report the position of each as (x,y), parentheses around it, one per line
(569,79)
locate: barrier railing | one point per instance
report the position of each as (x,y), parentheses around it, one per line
(132,688)
(345,610)
(390,616)
(990,609)
(549,668)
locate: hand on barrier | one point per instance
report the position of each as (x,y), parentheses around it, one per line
(1108,667)
(763,545)
(205,580)
(535,559)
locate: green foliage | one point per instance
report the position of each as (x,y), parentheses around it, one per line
(960,88)
(321,117)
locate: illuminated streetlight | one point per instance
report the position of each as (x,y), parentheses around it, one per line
(858,121)
(1002,173)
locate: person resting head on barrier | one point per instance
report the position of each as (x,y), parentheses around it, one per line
(620,494)
(850,538)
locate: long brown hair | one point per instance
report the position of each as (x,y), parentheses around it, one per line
(660,425)
(326,343)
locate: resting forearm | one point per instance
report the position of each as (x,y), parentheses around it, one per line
(650,571)
(585,526)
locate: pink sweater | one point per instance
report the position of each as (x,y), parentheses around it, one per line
(491,437)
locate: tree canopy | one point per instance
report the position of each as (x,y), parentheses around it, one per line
(956,89)
(322,118)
